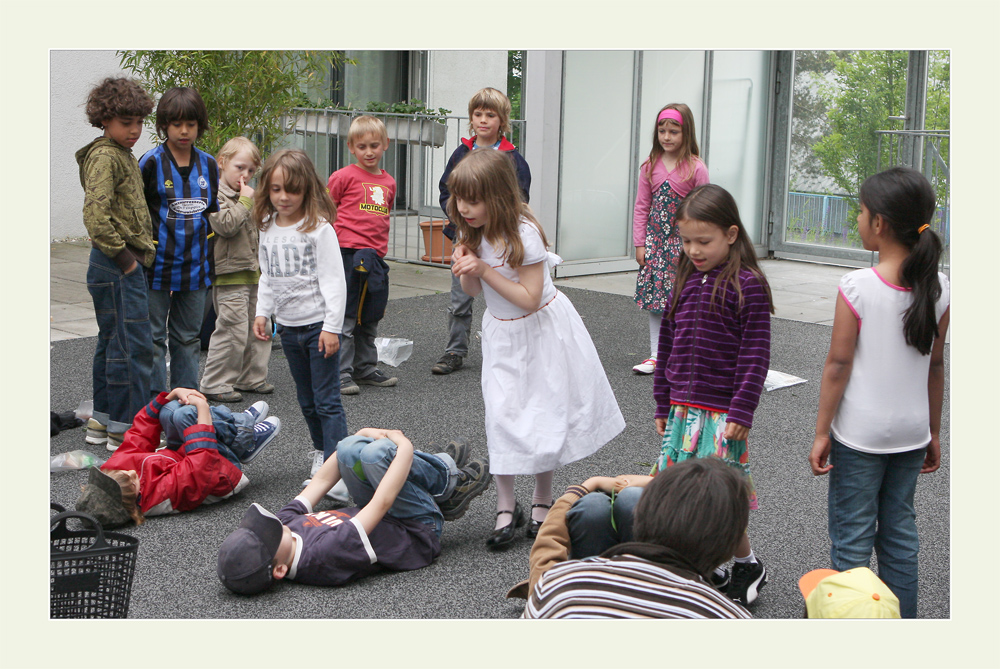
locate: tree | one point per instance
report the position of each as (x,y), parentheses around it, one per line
(246,92)
(870,86)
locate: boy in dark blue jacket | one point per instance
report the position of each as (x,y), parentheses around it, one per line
(489,118)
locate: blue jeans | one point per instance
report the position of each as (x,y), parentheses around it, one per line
(124,356)
(317,386)
(358,355)
(432,478)
(870,505)
(459,319)
(233,431)
(181,312)
(590,522)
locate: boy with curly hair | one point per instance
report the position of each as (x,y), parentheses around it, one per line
(116,218)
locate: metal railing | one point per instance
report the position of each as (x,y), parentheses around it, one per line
(419,148)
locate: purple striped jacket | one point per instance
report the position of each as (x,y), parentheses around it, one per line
(715,357)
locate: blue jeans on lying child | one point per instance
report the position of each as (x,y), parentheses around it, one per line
(317,385)
(233,431)
(870,505)
(432,478)
(590,522)
(124,356)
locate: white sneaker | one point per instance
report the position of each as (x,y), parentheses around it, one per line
(317,457)
(258,411)
(645,367)
(339,493)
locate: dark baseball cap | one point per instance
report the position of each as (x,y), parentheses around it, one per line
(246,554)
(102,499)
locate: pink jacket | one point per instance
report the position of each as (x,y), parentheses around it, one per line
(645,190)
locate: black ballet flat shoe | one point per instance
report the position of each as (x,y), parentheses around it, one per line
(505,534)
(534,525)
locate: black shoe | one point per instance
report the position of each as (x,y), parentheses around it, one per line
(377,378)
(747,580)
(720,583)
(448,363)
(473,480)
(458,448)
(505,534)
(533,526)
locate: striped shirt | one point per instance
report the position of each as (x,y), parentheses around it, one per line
(179,201)
(715,357)
(625,586)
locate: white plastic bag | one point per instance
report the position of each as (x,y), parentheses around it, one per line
(85,410)
(64,462)
(393,351)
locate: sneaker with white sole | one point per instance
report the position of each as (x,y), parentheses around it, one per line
(747,580)
(348,386)
(258,411)
(115,440)
(721,581)
(378,379)
(317,458)
(339,493)
(264,433)
(645,367)
(473,480)
(459,450)
(97,434)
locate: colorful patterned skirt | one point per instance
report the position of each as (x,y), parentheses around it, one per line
(697,433)
(663,249)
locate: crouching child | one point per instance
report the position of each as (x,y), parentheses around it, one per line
(199,461)
(403,496)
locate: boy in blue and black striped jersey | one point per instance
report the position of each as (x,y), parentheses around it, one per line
(181,186)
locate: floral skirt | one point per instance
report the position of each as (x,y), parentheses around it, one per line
(697,433)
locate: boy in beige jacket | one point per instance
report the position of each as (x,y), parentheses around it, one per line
(237,361)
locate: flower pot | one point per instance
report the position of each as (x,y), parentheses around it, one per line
(421,131)
(438,247)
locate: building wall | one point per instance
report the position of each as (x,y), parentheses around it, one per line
(450,84)
(72,74)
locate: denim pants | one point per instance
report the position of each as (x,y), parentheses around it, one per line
(870,505)
(180,312)
(459,319)
(358,355)
(233,431)
(317,385)
(432,478)
(124,356)
(590,522)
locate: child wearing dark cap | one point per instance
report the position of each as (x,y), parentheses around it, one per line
(403,495)
(202,462)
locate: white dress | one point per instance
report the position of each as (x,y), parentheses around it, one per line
(548,401)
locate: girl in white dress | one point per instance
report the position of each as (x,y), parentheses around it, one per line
(548,401)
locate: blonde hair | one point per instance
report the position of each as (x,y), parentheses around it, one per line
(689,145)
(130,495)
(489,177)
(366,125)
(300,177)
(233,147)
(494,101)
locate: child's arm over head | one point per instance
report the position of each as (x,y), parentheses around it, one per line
(390,485)
(836,373)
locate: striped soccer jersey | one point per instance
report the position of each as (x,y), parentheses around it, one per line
(625,586)
(179,205)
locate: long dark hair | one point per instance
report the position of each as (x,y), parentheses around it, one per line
(713,204)
(905,200)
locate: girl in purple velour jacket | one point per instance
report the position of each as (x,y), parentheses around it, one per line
(713,353)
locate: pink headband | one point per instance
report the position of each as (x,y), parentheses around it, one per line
(671,114)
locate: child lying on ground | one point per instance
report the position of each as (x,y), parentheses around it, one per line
(202,462)
(404,497)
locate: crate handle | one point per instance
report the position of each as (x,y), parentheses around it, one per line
(61,518)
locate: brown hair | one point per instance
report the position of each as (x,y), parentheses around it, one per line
(493,100)
(366,125)
(115,97)
(233,147)
(130,495)
(489,176)
(689,145)
(713,204)
(699,508)
(181,104)
(300,177)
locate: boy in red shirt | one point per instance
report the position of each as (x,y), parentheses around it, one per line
(364,195)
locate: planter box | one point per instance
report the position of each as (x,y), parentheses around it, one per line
(420,131)
(438,247)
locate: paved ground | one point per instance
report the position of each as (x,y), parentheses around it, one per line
(176,572)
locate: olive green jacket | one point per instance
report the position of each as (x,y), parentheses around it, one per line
(114,205)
